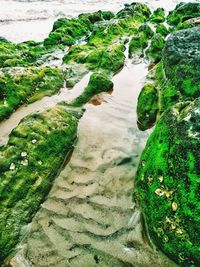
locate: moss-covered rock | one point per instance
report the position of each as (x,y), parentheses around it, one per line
(99,82)
(147,107)
(177,76)
(158,16)
(168,183)
(140,41)
(183,12)
(110,59)
(135,9)
(23,54)
(102,50)
(22,85)
(162,30)
(154,52)
(182,61)
(74,73)
(68,31)
(28,164)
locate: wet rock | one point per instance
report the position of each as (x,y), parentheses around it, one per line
(182,61)
(26,182)
(147,107)
(22,85)
(158,16)
(177,76)
(99,82)
(68,31)
(183,12)
(172,152)
(3,40)
(154,52)
(140,41)
(162,30)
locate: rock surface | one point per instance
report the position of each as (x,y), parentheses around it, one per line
(168,183)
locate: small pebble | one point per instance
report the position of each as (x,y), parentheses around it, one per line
(24,162)
(12,166)
(24,154)
(174,206)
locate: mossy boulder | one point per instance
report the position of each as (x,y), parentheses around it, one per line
(23,54)
(162,30)
(154,52)
(158,16)
(140,41)
(99,82)
(68,31)
(22,85)
(135,9)
(183,12)
(168,183)
(29,163)
(3,40)
(182,62)
(147,107)
(111,59)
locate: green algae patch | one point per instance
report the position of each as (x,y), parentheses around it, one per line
(162,30)
(105,46)
(68,31)
(147,107)
(26,85)
(181,62)
(23,54)
(99,82)
(154,52)
(168,184)
(29,162)
(183,12)
(158,16)
(176,76)
(140,41)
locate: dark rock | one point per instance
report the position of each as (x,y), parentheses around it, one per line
(182,61)
(183,12)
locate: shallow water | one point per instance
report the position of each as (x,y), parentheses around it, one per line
(21,20)
(89,218)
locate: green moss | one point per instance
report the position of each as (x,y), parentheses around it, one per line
(158,16)
(23,54)
(183,12)
(162,30)
(147,107)
(68,31)
(135,9)
(111,59)
(140,41)
(101,50)
(99,82)
(28,165)
(154,52)
(18,86)
(168,184)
